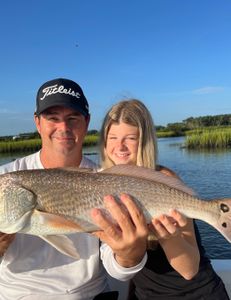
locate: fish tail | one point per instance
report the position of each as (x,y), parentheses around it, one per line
(224,221)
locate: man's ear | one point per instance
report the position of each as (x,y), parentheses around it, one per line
(37,122)
(88,119)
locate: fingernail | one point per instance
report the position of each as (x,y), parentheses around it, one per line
(108,200)
(95,212)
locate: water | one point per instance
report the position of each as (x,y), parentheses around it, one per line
(207,172)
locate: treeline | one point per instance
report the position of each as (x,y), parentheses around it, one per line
(192,123)
(207,121)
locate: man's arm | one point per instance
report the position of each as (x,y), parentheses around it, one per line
(5,241)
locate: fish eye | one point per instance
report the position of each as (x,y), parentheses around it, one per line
(224,207)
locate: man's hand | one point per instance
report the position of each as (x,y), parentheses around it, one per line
(5,241)
(127,237)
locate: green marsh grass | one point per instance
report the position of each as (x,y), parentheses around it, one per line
(33,145)
(209,138)
(91,140)
(165,134)
(20,146)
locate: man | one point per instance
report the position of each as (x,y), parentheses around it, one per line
(31,268)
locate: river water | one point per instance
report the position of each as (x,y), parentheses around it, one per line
(207,172)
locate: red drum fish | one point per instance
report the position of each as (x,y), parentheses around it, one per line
(52,203)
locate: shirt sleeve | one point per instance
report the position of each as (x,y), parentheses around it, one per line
(114,269)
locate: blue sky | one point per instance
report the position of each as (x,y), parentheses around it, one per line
(174,55)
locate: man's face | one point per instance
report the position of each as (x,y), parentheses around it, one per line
(62,129)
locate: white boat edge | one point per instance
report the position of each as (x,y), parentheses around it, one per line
(223,269)
(221,266)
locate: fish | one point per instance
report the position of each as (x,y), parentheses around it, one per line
(53,203)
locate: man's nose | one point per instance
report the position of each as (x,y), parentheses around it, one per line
(63,125)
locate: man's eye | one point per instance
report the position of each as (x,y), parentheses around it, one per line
(52,119)
(73,119)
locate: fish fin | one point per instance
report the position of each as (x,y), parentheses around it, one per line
(62,243)
(152,241)
(149,174)
(46,223)
(223,223)
(85,225)
(17,226)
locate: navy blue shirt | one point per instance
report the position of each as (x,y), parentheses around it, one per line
(159,281)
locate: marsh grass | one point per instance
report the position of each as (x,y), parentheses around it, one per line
(20,146)
(91,140)
(209,138)
(165,134)
(33,145)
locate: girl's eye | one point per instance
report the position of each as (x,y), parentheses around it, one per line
(132,138)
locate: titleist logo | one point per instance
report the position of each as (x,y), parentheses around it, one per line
(54,89)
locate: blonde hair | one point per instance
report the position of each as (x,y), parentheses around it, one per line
(135,113)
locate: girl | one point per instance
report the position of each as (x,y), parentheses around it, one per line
(177,267)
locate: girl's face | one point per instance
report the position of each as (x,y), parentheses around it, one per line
(122,143)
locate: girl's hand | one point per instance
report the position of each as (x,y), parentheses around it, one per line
(167,226)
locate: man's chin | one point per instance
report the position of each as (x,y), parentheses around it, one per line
(65,143)
(64,148)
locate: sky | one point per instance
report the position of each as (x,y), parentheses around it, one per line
(174,55)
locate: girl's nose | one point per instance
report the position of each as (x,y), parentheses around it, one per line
(121,144)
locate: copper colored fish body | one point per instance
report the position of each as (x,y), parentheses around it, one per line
(58,201)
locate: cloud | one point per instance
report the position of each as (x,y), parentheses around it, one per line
(201,91)
(208,90)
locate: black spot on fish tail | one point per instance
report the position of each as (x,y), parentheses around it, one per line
(224,207)
(224,224)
